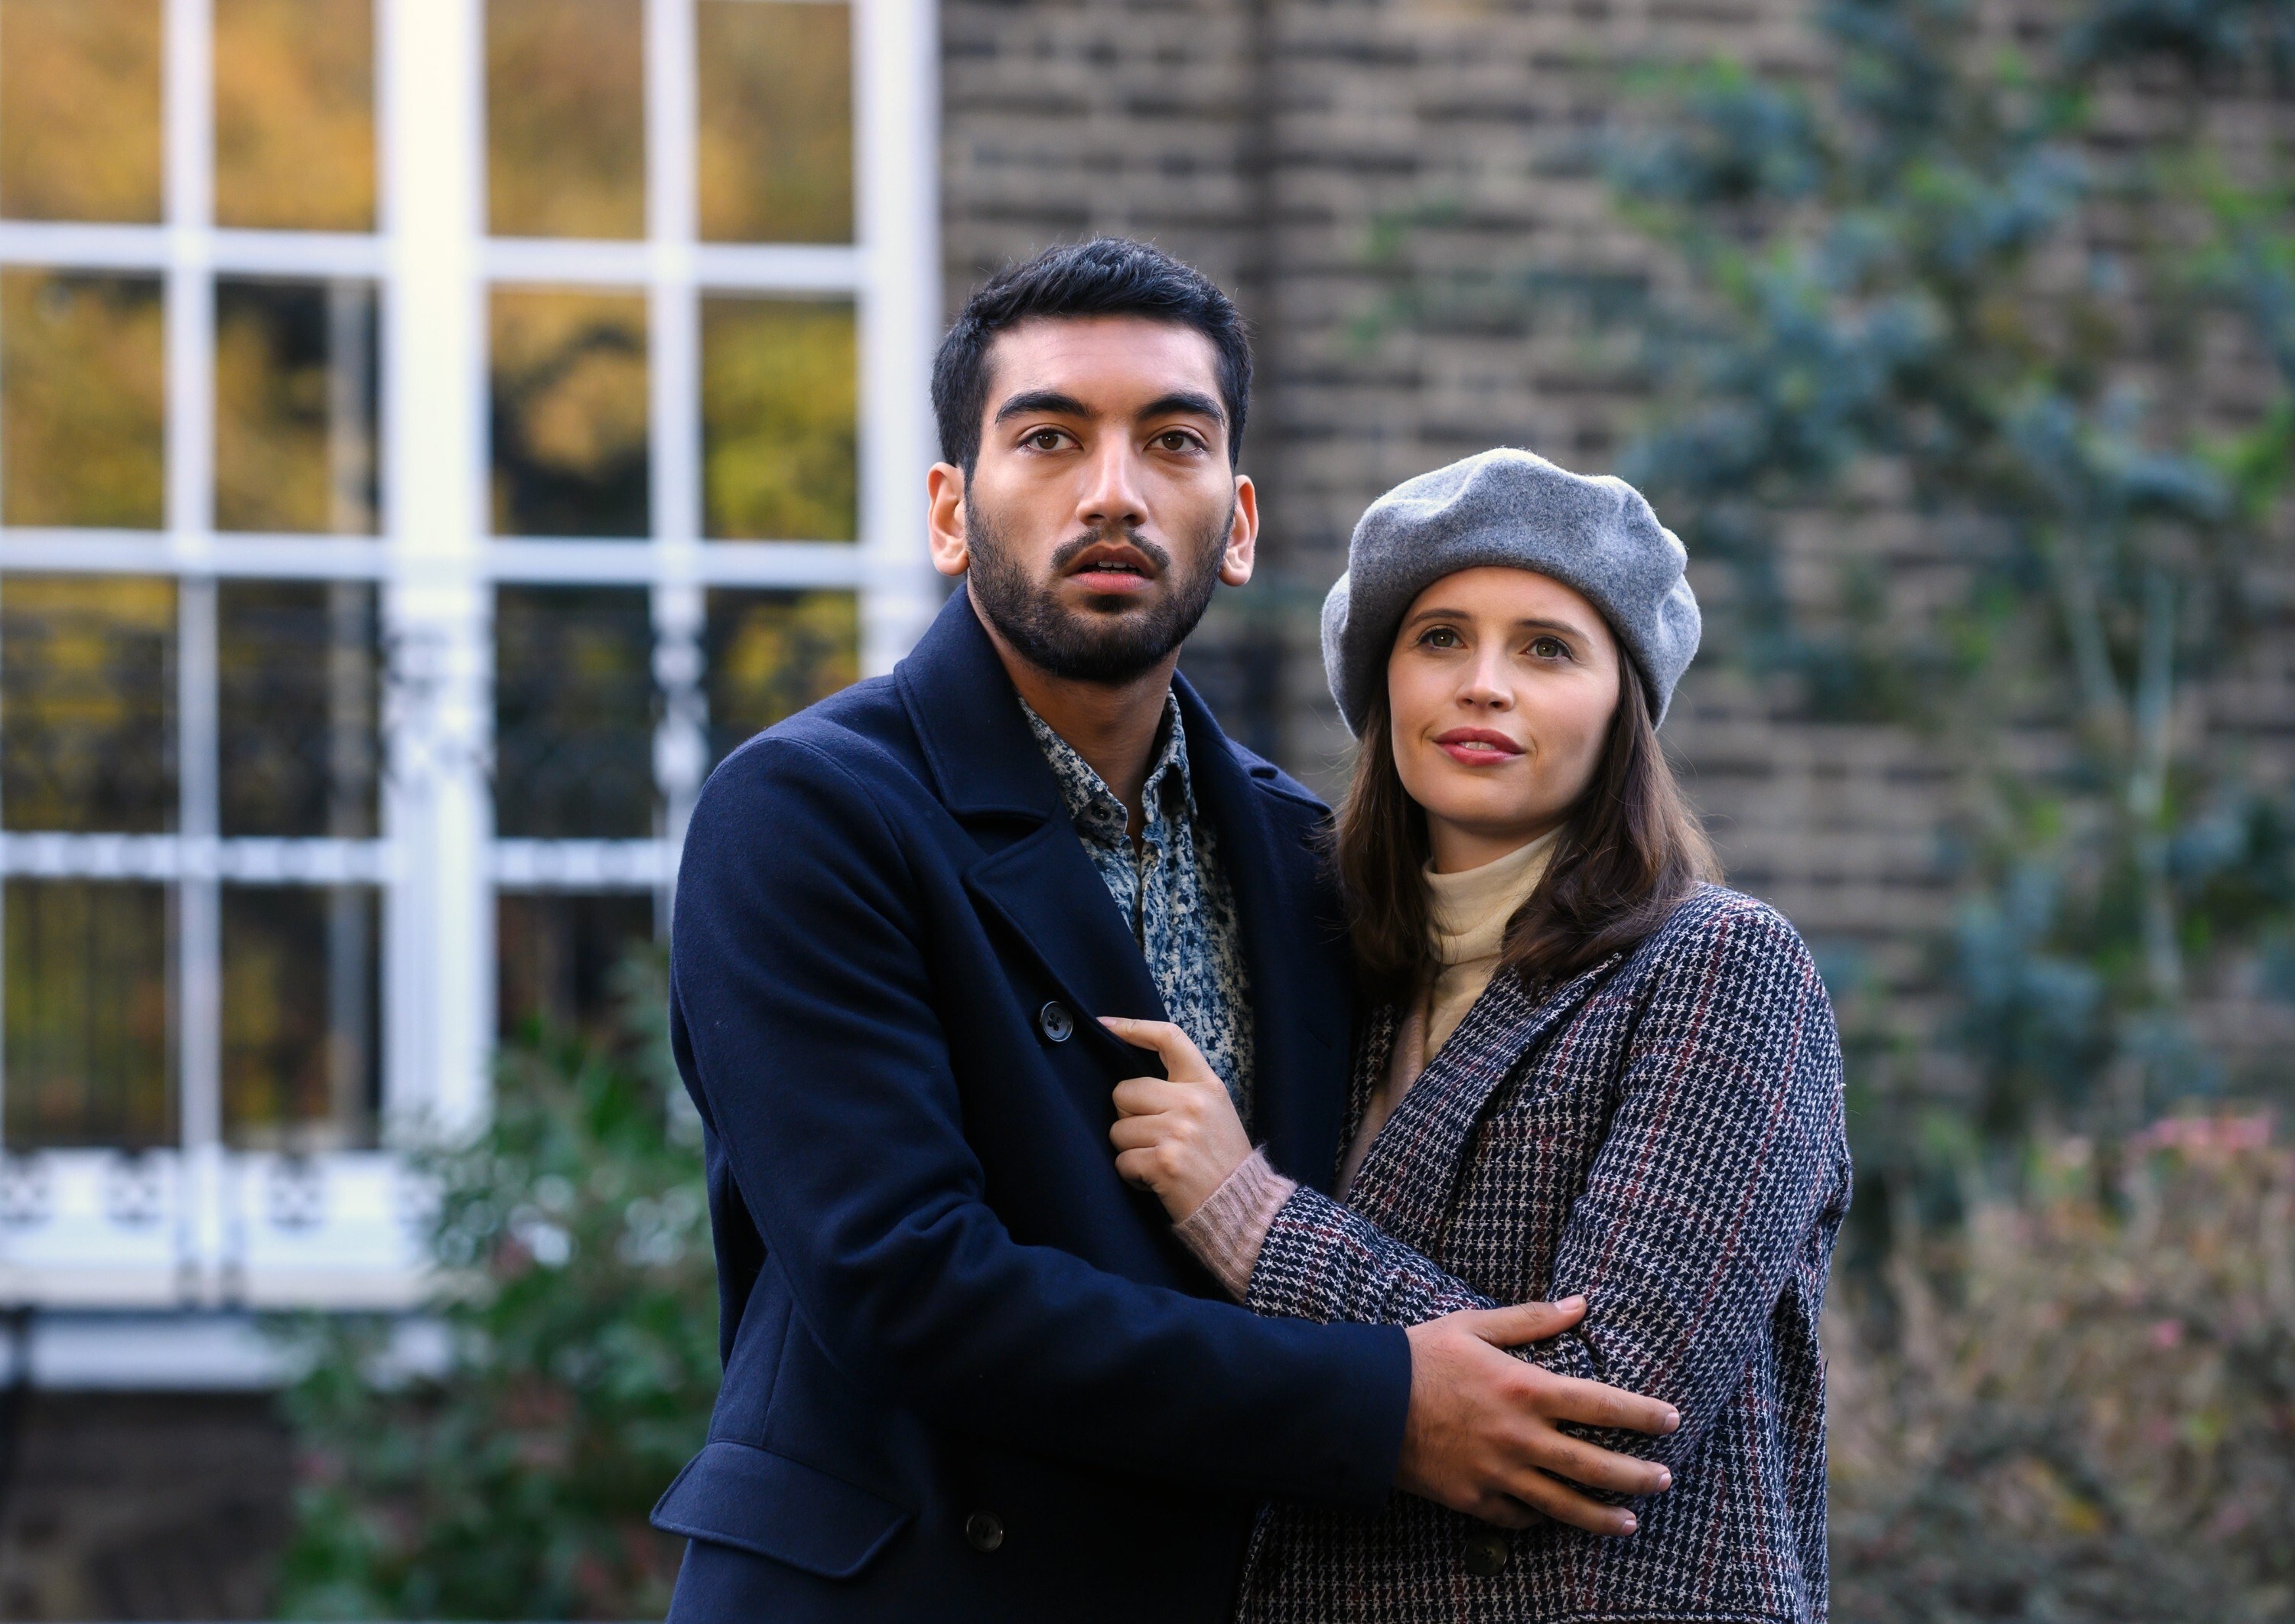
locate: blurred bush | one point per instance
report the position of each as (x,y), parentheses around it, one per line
(2080,1406)
(510,1479)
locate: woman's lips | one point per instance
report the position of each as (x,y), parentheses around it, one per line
(1477,747)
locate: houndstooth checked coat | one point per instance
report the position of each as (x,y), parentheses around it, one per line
(1665,1134)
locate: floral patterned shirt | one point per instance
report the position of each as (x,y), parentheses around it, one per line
(1172,892)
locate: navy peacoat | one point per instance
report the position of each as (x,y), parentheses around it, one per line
(969,1373)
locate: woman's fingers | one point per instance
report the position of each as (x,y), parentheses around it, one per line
(1149,1096)
(1570,1398)
(1183,1062)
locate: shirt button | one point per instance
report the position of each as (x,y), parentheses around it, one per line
(1056,1023)
(1486,1555)
(983,1530)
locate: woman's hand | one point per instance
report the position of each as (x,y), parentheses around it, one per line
(1178,1136)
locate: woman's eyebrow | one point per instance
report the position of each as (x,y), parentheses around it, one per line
(1529,623)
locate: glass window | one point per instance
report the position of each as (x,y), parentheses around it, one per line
(559,952)
(298,1017)
(774,152)
(79,110)
(88,1016)
(565,117)
(294,114)
(88,691)
(299,682)
(569,414)
(574,713)
(295,406)
(779,409)
(772,654)
(83,399)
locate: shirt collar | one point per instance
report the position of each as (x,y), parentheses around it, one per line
(1091,802)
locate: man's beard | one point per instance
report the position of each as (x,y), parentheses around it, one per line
(1081,648)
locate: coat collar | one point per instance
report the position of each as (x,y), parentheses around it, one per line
(990,773)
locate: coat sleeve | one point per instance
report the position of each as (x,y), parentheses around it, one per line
(805,1001)
(1717,1189)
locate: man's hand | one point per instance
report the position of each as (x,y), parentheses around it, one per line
(1482,1435)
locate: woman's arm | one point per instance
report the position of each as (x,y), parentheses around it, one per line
(1725,1152)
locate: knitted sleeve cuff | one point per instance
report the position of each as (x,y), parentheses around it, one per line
(1227,1232)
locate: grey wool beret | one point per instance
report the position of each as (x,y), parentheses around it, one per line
(1510,508)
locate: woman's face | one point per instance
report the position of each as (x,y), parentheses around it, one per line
(1501,686)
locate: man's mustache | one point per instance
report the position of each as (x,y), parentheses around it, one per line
(1070,551)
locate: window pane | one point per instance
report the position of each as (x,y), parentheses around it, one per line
(565,117)
(299,684)
(775,142)
(772,654)
(88,691)
(295,406)
(574,713)
(87,1014)
(79,110)
(294,114)
(569,414)
(558,954)
(779,402)
(83,397)
(298,1017)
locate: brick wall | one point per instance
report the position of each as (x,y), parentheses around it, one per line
(1402,194)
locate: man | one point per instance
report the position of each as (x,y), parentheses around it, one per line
(968,1372)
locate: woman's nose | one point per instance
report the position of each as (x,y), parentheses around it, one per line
(1486,688)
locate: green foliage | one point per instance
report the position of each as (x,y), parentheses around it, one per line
(1958,351)
(576,1299)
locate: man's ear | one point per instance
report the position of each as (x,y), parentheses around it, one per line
(944,523)
(1240,556)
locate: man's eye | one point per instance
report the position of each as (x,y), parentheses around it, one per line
(1175,439)
(1045,439)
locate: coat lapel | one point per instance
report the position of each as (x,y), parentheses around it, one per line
(1406,1182)
(1033,873)
(1294,957)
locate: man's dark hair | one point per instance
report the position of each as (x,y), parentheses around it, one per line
(1106,276)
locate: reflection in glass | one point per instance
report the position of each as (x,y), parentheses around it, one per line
(574,713)
(298,679)
(298,1017)
(83,397)
(294,114)
(778,403)
(772,654)
(87,1039)
(565,117)
(79,110)
(295,406)
(557,953)
(87,687)
(569,414)
(774,152)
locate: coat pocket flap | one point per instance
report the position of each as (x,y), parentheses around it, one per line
(755,1500)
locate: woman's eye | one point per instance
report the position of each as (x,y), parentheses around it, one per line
(1550,649)
(1440,637)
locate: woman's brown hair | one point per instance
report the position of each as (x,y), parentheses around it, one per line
(1630,851)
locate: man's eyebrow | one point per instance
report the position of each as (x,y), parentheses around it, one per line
(1184,401)
(1042,400)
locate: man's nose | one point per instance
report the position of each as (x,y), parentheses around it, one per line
(1112,497)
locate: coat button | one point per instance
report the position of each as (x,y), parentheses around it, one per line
(1486,1555)
(1057,1023)
(983,1530)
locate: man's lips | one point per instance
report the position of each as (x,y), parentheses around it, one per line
(1477,747)
(1113,568)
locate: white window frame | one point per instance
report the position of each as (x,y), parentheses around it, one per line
(201,1227)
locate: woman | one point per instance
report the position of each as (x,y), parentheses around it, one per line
(1590,1071)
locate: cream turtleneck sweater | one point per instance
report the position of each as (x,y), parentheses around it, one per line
(1468,920)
